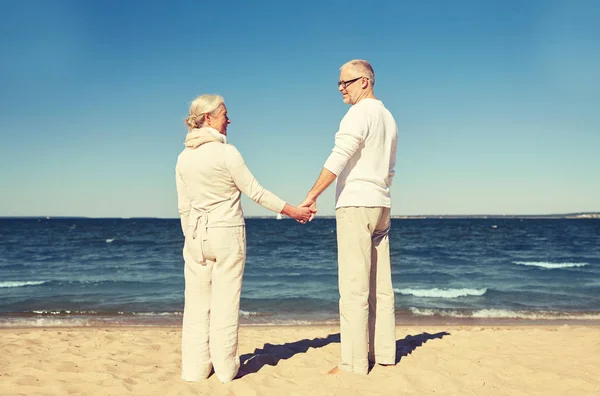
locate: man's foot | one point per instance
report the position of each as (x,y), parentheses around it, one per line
(372,364)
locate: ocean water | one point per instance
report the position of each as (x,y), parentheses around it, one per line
(77,271)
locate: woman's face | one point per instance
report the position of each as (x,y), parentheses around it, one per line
(219,121)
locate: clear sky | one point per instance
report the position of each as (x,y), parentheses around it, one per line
(497,102)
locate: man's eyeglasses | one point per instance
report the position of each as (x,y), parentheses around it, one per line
(344,84)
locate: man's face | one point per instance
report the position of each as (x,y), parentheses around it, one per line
(350,86)
(220,120)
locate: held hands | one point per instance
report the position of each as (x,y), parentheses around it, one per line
(311,204)
(304,214)
(301,214)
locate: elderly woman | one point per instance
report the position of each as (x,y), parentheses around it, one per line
(211,175)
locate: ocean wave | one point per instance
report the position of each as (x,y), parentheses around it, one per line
(441,293)
(57,321)
(294,322)
(247,314)
(506,314)
(67,312)
(156,313)
(44,322)
(20,283)
(121,313)
(63,312)
(547,265)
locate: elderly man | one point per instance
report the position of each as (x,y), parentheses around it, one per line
(363,161)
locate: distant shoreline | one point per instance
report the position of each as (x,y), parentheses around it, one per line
(579,215)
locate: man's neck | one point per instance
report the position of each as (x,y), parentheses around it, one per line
(367,95)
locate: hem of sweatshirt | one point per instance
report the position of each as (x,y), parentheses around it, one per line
(225,225)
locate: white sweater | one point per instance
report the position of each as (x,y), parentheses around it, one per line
(364,156)
(210,176)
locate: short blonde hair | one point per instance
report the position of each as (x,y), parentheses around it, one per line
(361,67)
(202,105)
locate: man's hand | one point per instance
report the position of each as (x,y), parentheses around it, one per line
(301,214)
(325,179)
(304,214)
(310,203)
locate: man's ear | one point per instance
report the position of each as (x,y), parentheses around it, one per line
(365,83)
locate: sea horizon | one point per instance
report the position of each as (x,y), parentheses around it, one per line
(567,215)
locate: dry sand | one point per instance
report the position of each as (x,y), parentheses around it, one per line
(440,360)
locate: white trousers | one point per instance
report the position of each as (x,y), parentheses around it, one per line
(367,321)
(212,303)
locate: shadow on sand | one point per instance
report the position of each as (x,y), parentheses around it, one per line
(408,344)
(271,354)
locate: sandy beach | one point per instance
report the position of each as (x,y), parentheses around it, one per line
(277,360)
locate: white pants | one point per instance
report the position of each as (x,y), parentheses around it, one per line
(212,303)
(367,321)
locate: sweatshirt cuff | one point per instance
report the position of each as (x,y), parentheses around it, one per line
(280,206)
(335,164)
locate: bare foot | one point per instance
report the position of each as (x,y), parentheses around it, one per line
(334,370)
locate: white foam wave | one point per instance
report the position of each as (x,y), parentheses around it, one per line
(441,293)
(110,240)
(505,314)
(20,283)
(293,322)
(156,313)
(247,314)
(63,312)
(43,322)
(547,265)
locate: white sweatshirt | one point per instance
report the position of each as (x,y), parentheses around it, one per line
(210,176)
(364,156)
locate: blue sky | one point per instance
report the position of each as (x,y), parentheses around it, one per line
(496,101)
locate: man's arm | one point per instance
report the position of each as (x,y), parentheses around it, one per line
(323,181)
(348,139)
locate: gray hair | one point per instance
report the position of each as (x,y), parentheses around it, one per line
(361,67)
(202,105)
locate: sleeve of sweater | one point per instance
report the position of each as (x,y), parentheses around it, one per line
(247,183)
(183,201)
(352,132)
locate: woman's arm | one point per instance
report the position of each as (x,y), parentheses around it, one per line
(183,201)
(247,183)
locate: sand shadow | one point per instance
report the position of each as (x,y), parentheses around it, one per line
(408,344)
(271,354)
